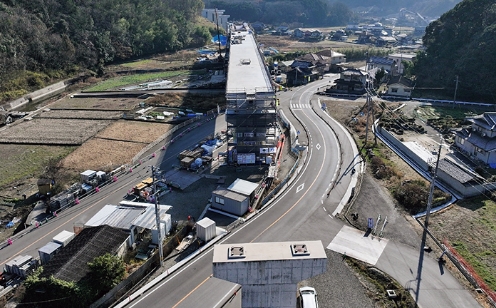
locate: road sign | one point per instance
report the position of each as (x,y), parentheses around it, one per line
(370,223)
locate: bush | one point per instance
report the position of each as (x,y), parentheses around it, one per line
(380,169)
(412,196)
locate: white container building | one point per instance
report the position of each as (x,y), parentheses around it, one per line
(206,229)
(63,238)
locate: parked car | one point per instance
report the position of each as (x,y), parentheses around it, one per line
(308,298)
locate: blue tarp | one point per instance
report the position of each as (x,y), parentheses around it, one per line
(222,38)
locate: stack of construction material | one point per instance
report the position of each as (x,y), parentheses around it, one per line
(21,266)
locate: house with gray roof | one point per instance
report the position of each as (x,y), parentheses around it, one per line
(71,262)
(400,86)
(479,140)
(389,65)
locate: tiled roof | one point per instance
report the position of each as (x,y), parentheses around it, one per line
(486,120)
(71,262)
(380,61)
(401,80)
(457,172)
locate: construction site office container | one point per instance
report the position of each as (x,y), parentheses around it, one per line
(48,251)
(63,238)
(206,229)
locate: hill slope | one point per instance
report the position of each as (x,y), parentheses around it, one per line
(461,43)
(43,39)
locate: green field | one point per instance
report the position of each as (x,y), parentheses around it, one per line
(22,161)
(434,112)
(117,82)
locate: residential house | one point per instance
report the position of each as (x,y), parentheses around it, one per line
(336,57)
(71,261)
(351,81)
(365,37)
(304,71)
(298,33)
(400,86)
(319,62)
(479,140)
(258,26)
(339,35)
(385,41)
(217,17)
(389,65)
(400,58)
(281,30)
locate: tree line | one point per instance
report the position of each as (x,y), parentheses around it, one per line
(307,13)
(459,55)
(42,40)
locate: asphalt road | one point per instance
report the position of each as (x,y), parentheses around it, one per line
(303,212)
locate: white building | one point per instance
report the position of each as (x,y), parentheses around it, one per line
(269,272)
(399,58)
(214,14)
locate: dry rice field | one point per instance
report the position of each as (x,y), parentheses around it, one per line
(101,154)
(124,104)
(134,131)
(52,131)
(81,114)
(114,146)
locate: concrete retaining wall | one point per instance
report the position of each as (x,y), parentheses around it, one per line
(404,149)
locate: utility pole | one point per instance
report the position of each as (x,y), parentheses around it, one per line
(431,191)
(456,89)
(368,96)
(426,223)
(157,219)
(218,34)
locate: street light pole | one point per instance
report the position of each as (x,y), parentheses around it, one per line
(157,219)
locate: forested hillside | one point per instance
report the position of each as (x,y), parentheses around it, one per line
(461,43)
(425,7)
(309,13)
(313,13)
(42,39)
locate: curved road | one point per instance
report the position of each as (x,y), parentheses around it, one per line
(304,212)
(291,217)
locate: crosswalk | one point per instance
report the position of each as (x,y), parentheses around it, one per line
(300,106)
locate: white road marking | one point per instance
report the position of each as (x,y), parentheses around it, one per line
(300,187)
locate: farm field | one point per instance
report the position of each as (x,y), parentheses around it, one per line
(81,114)
(134,131)
(22,161)
(52,131)
(114,146)
(100,154)
(123,104)
(115,83)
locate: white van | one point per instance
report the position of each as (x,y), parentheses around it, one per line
(308,298)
